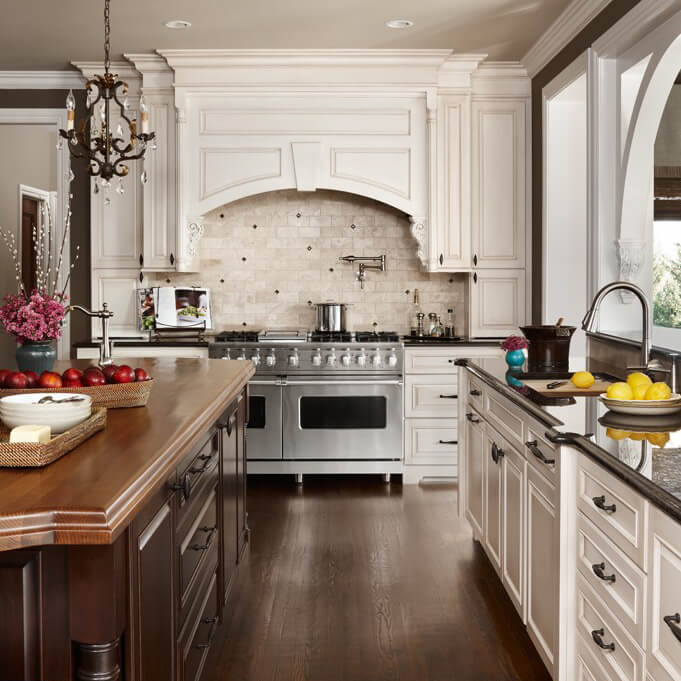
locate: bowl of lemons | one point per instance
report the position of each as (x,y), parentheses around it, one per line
(640,396)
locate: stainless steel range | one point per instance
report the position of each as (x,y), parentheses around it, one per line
(321,402)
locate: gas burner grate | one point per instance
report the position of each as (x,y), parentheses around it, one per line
(377,337)
(237,337)
(331,337)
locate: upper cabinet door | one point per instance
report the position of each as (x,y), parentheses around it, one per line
(452,233)
(497,303)
(499,183)
(117,219)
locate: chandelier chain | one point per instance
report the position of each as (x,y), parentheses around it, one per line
(107,37)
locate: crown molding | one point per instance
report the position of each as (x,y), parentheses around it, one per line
(157,76)
(504,79)
(576,16)
(41,80)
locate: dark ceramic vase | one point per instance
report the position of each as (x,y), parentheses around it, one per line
(36,356)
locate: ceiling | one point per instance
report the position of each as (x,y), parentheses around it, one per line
(46,34)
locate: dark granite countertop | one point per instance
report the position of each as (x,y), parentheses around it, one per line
(644,452)
(415,341)
(141,342)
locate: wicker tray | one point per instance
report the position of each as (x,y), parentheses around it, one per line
(111,395)
(34,455)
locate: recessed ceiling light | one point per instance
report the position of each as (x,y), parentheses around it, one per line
(178,24)
(399,23)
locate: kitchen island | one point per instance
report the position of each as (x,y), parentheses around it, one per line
(579,512)
(116,560)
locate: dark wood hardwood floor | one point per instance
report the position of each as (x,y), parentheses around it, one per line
(350,579)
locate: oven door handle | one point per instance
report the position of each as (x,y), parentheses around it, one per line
(274,381)
(340,383)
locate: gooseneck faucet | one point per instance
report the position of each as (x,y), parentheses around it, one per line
(647,331)
(363,267)
(106,344)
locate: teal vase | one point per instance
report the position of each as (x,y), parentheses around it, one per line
(36,356)
(515,358)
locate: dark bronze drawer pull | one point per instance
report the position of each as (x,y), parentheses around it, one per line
(497,452)
(598,569)
(597,636)
(599,502)
(213,621)
(449,442)
(532,446)
(475,392)
(212,531)
(207,459)
(449,397)
(472,418)
(185,486)
(672,621)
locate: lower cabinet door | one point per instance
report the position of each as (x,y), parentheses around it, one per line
(475,472)
(241,478)
(228,435)
(542,566)
(513,527)
(493,454)
(152,545)
(664,598)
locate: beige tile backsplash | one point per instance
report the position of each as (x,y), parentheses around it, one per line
(264,257)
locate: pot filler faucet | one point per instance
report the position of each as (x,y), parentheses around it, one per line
(363,267)
(590,317)
(106,344)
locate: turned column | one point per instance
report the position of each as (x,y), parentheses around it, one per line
(97,661)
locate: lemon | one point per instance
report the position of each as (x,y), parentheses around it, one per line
(640,391)
(620,391)
(615,434)
(638,378)
(658,391)
(658,440)
(583,379)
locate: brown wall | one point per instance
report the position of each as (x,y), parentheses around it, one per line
(607,18)
(80,204)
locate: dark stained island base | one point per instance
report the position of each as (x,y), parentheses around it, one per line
(117,560)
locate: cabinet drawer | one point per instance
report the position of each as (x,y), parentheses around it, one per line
(198,639)
(475,392)
(542,455)
(615,508)
(431,361)
(505,417)
(587,666)
(606,637)
(430,396)
(613,577)
(431,441)
(197,543)
(664,649)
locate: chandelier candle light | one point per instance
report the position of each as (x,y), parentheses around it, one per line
(107,152)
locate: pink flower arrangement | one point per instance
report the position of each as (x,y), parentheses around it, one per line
(36,318)
(514,343)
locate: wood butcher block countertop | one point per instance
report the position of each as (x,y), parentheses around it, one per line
(90,495)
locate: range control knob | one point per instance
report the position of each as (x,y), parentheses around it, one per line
(346,358)
(293,360)
(317,358)
(271,359)
(376,359)
(331,358)
(361,358)
(256,358)
(392,358)
(242,354)
(226,354)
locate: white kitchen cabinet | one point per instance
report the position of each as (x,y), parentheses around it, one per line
(475,472)
(498,185)
(497,302)
(493,497)
(118,288)
(664,621)
(542,565)
(452,234)
(513,527)
(430,396)
(431,441)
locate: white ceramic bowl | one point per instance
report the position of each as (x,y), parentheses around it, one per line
(19,410)
(643,407)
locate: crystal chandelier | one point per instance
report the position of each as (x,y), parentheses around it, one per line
(107,152)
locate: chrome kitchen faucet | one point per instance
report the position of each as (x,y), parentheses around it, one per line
(362,260)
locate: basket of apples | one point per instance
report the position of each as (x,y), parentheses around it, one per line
(111,386)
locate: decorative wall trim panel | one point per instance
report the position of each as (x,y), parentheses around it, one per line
(366,166)
(223,169)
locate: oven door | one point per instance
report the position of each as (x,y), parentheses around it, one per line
(264,420)
(351,420)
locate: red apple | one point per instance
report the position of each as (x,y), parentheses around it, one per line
(93,377)
(109,370)
(141,375)
(73,383)
(4,373)
(32,379)
(50,379)
(124,374)
(15,380)
(72,375)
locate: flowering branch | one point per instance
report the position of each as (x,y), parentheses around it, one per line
(514,343)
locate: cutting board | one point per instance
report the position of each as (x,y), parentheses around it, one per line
(567,390)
